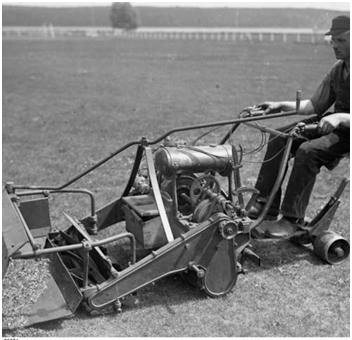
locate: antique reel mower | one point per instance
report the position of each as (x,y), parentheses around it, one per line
(176,211)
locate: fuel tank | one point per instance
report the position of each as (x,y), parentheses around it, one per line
(169,160)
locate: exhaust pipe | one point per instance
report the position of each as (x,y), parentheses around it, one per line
(331,247)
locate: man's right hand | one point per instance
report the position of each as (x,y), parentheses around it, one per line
(270,107)
(332,122)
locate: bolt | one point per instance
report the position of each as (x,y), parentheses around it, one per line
(200,273)
(117,306)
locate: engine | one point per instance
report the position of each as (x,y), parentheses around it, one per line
(190,179)
(189,175)
(172,160)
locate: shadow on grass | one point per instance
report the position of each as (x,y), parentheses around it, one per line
(276,252)
(173,290)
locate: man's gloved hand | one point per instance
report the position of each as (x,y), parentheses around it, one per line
(251,111)
(270,107)
(328,124)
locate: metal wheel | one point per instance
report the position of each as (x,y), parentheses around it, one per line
(200,185)
(183,185)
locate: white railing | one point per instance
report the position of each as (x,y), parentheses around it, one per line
(183,33)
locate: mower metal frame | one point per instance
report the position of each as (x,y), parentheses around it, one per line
(169,258)
(94,220)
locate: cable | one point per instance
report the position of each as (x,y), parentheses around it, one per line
(263,144)
(204,134)
(267,160)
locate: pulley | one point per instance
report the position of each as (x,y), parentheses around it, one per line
(204,210)
(228,229)
(201,184)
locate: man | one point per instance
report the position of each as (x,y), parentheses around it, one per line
(325,150)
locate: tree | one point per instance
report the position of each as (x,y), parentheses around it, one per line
(123,16)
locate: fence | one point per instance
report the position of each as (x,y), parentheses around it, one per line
(232,34)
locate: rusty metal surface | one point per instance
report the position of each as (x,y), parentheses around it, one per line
(12,228)
(36,214)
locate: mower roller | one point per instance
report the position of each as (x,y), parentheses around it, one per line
(175,213)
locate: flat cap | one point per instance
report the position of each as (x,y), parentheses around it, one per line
(339,25)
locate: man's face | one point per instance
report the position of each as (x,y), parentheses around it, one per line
(341,45)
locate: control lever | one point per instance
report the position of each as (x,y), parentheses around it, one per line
(304,130)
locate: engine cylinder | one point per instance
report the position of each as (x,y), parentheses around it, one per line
(195,159)
(331,247)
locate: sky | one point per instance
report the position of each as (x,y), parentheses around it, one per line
(337,5)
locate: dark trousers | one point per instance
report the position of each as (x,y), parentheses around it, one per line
(309,156)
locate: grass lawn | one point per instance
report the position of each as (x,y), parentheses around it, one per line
(69,103)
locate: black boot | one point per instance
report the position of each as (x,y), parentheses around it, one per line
(255,207)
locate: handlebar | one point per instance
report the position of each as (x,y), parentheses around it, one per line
(255,115)
(251,111)
(307,130)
